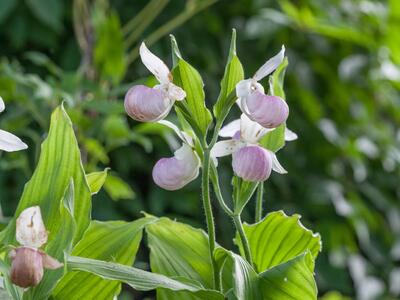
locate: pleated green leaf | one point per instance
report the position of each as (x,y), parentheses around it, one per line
(96,180)
(279,238)
(292,280)
(114,241)
(233,74)
(60,160)
(177,249)
(193,108)
(141,280)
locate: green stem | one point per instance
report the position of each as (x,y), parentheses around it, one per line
(209,214)
(243,239)
(259,202)
(217,191)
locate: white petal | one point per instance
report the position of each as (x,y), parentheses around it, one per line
(30,230)
(243,88)
(181,134)
(276,166)
(154,64)
(175,92)
(290,135)
(2,105)
(224,148)
(270,65)
(10,142)
(230,129)
(251,131)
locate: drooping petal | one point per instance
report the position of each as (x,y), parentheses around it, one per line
(30,229)
(276,166)
(181,134)
(252,163)
(230,129)
(175,92)
(155,65)
(270,65)
(10,142)
(224,148)
(175,172)
(26,267)
(268,111)
(50,262)
(247,86)
(146,104)
(2,105)
(251,131)
(290,135)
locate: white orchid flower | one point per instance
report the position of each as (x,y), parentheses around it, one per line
(250,161)
(28,261)
(267,110)
(175,172)
(8,141)
(146,104)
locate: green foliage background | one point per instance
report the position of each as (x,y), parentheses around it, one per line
(342,86)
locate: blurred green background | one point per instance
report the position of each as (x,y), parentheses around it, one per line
(342,86)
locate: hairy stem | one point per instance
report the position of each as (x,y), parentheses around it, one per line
(259,202)
(209,214)
(217,191)
(243,239)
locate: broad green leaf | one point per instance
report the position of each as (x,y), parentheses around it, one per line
(292,280)
(57,248)
(193,107)
(115,241)
(10,291)
(117,188)
(96,180)
(177,249)
(233,74)
(275,139)
(243,190)
(59,161)
(141,280)
(279,238)
(244,278)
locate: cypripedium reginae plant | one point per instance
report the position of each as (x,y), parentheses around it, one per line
(8,141)
(276,254)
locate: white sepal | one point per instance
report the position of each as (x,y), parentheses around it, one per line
(224,148)
(2,105)
(276,166)
(175,92)
(181,134)
(290,135)
(10,142)
(243,88)
(230,129)
(30,229)
(155,65)
(270,65)
(251,131)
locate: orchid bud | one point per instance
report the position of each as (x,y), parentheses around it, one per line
(175,172)
(146,104)
(252,163)
(268,111)
(26,267)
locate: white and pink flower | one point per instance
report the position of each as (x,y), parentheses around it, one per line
(147,104)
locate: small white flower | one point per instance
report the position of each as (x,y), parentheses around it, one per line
(8,141)
(146,104)
(267,110)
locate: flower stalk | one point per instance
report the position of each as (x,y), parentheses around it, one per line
(259,202)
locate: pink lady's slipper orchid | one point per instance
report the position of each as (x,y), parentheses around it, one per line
(28,261)
(267,110)
(8,141)
(175,172)
(146,104)
(250,161)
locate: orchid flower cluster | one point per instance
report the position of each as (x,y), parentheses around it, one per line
(261,114)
